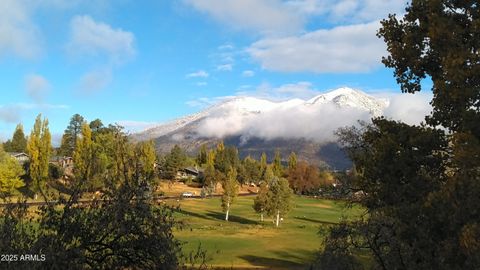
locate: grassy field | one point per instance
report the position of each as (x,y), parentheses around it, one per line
(244,242)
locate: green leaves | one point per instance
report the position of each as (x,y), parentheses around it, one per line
(10,173)
(39,149)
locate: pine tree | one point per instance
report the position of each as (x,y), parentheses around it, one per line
(19,142)
(268,175)
(71,134)
(174,161)
(202,155)
(279,199)
(252,170)
(230,191)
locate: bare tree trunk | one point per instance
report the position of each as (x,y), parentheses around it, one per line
(278,217)
(261,217)
(228,210)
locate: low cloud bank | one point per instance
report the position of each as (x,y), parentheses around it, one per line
(317,123)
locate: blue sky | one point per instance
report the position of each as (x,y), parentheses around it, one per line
(144,62)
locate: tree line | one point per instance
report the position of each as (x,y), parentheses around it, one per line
(276,183)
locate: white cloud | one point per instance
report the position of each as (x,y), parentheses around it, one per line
(39,106)
(296,119)
(198,74)
(92,38)
(266,16)
(225,67)
(302,90)
(206,102)
(343,49)
(9,114)
(226,47)
(349,11)
(12,113)
(95,80)
(409,108)
(248,73)
(297,90)
(315,123)
(37,87)
(201,84)
(18,34)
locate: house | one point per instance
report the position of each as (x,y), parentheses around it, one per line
(189,172)
(64,162)
(20,157)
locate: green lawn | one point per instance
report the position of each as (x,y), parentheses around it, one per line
(245,242)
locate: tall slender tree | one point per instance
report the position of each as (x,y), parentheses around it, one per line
(261,200)
(277,167)
(292,161)
(84,156)
(39,149)
(230,191)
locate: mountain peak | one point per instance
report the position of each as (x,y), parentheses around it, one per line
(248,106)
(349,97)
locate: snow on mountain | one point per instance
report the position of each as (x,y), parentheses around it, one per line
(248,114)
(348,97)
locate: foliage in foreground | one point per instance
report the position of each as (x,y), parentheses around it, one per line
(421,185)
(123,229)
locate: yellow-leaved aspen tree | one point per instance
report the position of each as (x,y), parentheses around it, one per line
(230,191)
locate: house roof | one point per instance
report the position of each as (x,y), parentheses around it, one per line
(17,154)
(192,170)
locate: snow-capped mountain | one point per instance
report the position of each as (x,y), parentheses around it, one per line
(348,97)
(257,125)
(248,108)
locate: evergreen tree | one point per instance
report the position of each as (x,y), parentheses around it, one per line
(268,175)
(202,155)
(226,157)
(230,191)
(96,125)
(173,162)
(252,170)
(279,199)
(19,142)
(71,134)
